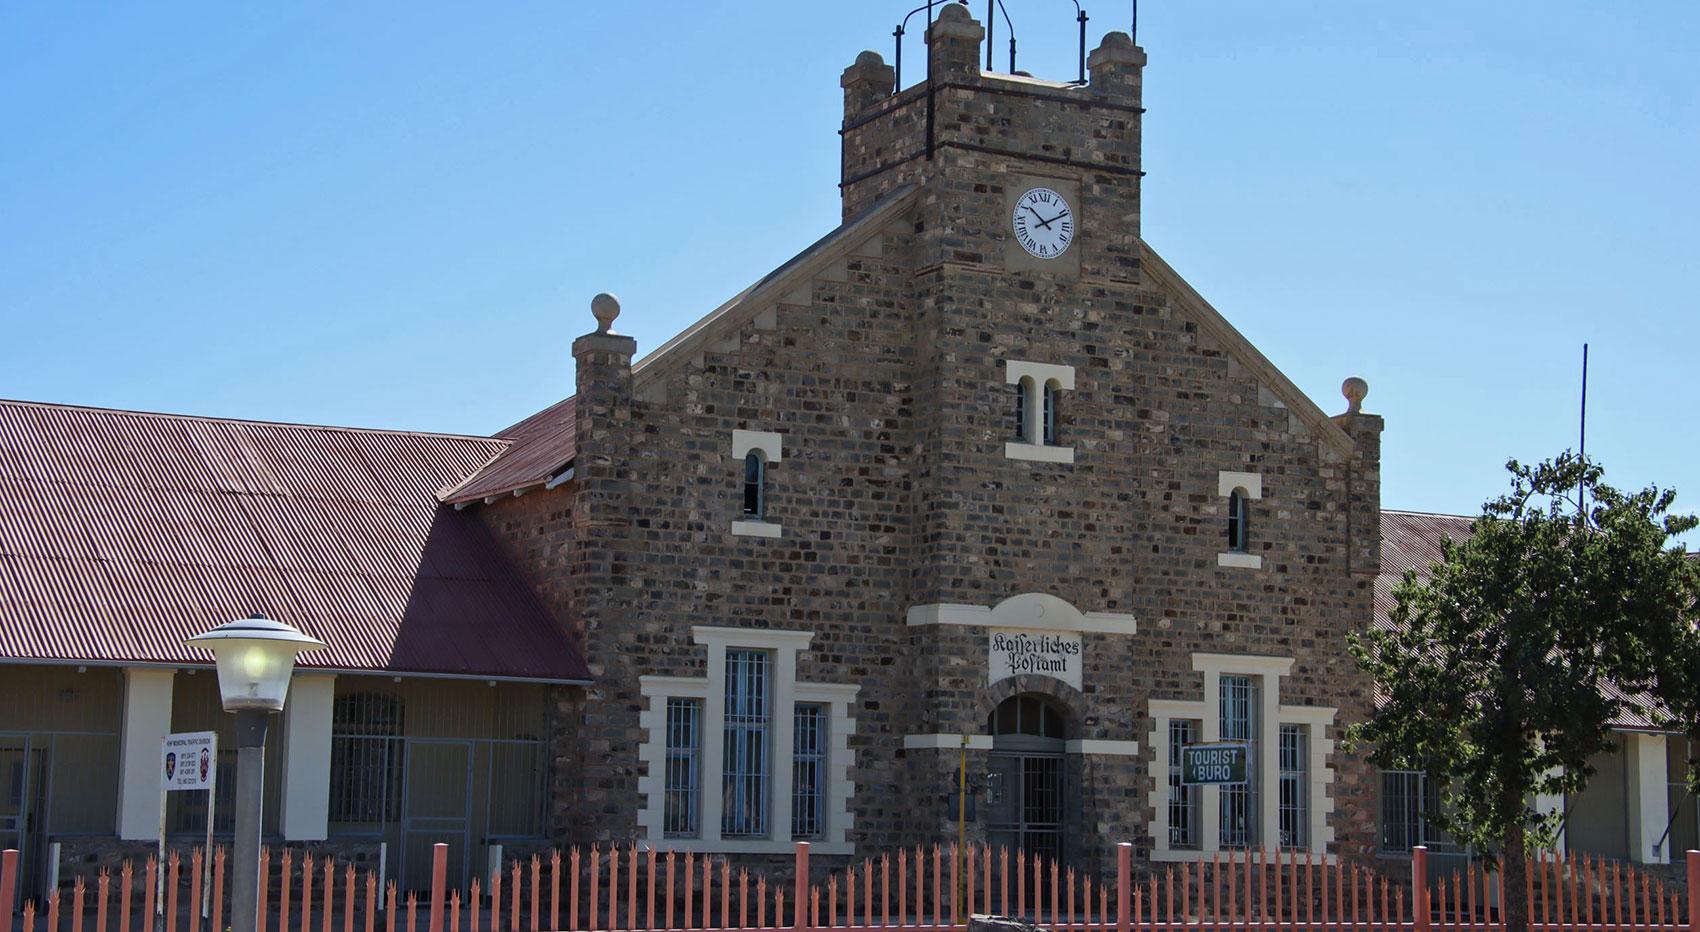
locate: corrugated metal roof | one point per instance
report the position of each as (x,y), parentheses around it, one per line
(124,533)
(538,448)
(1410,540)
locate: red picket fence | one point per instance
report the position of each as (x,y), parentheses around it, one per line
(917,889)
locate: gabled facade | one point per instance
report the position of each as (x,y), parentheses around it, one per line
(975,482)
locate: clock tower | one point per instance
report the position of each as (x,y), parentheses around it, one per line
(1026,259)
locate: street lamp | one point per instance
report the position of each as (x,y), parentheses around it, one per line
(255,657)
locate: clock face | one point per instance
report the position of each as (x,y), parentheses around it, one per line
(1043,222)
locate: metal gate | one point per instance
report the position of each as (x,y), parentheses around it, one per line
(436,806)
(1024,803)
(23,809)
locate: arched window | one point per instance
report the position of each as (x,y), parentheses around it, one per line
(1028,714)
(1023,392)
(1239,524)
(755,486)
(1052,395)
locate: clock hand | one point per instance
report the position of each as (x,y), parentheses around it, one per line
(1047,223)
(1036,215)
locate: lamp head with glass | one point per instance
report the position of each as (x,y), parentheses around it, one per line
(255,657)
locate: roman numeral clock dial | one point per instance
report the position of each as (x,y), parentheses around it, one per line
(1043,223)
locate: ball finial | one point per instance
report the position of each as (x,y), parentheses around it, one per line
(1355,389)
(605,307)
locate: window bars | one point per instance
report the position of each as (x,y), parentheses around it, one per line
(744,783)
(808,771)
(1295,787)
(1183,800)
(1022,388)
(366,759)
(1051,391)
(1238,706)
(682,782)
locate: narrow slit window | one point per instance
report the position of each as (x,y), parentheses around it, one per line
(1239,529)
(1052,393)
(755,486)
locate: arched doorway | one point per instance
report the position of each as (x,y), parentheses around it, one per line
(1025,778)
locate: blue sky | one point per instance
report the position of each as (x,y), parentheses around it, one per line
(394,214)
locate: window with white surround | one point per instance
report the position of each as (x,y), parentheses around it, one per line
(808,770)
(771,760)
(1238,710)
(684,768)
(1183,799)
(1039,387)
(745,762)
(1295,786)
(756,452)
(1240,489)
(1284,802)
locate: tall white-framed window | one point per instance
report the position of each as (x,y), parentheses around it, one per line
(774,761)
(1039,387)
(1238,708)
(1184,816)
(756,451)
(1295,786)
(747,758)
(1239,489)
(683,778)
(1240,701)
(808,770)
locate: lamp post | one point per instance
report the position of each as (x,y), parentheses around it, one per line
(255,657)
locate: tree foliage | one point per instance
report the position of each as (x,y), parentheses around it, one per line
(1502,671)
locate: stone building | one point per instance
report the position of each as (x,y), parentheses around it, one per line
(976,489)
(975,475)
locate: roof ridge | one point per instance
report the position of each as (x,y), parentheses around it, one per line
(1429,514)
(134,412)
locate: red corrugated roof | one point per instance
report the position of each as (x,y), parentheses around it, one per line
(539,448)
(124,533)
(1410,540)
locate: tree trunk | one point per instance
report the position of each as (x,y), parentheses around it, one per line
(1514,881)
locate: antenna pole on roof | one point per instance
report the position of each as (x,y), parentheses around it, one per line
(1582,487)
(1133,31)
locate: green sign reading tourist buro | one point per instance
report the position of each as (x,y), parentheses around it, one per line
(1217,763)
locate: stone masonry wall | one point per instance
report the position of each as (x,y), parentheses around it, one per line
(885,376)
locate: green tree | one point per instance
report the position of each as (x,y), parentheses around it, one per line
(1492,672)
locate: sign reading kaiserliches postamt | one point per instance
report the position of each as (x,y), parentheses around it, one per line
(188,760)
(1056,654)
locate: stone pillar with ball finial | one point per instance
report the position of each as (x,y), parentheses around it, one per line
(597,589)
(1363,481)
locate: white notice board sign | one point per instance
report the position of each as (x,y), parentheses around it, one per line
(188,760)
